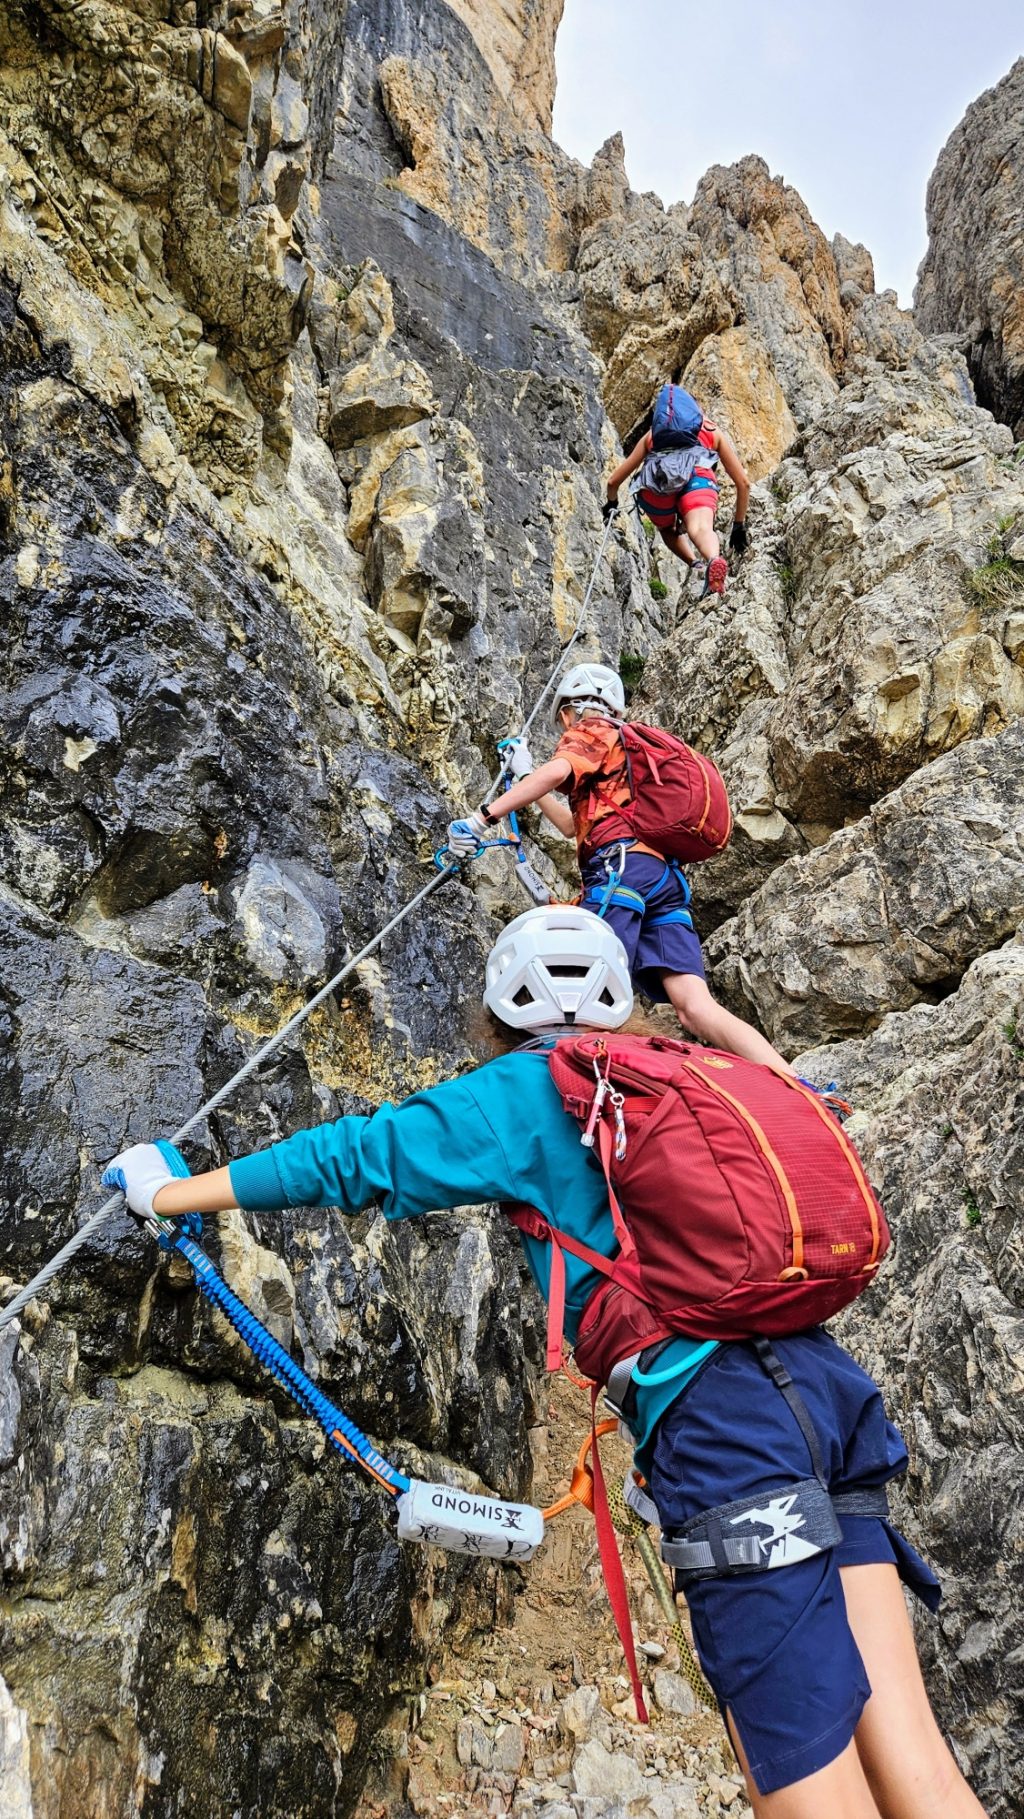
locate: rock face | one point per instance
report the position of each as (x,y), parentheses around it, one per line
(939,1096)
(313,351)
(746,257)
(972,276)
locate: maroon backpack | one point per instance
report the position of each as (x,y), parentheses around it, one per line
(679,806)
(740,1205)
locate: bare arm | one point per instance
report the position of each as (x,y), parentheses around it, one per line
(546,777)
(736,472)
(559,814)
(209,1193)
(629,465)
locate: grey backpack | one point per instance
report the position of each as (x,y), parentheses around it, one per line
(670,470)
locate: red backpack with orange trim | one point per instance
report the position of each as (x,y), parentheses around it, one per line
(679,806)
(740,1206)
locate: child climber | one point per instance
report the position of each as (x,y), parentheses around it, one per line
(647,901)
(678,490)
(779,1455)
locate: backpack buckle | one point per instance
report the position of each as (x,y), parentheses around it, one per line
(605,1090)
(603,1087)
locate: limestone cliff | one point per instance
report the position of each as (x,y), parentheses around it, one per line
(970,282)
(314,350)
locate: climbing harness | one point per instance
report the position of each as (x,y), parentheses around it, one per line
(623,896)
(773,1528)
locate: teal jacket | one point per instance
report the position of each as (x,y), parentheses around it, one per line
(499,1133)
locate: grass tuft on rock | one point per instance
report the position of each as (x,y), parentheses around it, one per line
(998,585)
(631,670)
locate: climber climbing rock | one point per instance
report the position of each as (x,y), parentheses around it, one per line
(643,896)
(676,487)
(767,1463)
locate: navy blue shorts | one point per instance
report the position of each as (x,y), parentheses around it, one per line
(652,947)
(776,1646)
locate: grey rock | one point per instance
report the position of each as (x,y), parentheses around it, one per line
(281,932)
(610,1774)
(672,1693)
(508,1749)
(974,265)
(582,1716)
(15,1773)
(890,910)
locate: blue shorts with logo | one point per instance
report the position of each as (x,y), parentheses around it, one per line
(654,945)
(776,1646)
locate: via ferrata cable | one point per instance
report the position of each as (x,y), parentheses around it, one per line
(56,1263)
(102,1213)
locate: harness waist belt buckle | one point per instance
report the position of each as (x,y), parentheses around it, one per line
(617,1387)
(755,1534)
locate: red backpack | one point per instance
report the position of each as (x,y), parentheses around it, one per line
(740,1206)
(680,806)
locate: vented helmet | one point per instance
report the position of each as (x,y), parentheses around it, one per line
(591,685)
(559,965)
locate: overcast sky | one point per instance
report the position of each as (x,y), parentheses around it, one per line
(850,103)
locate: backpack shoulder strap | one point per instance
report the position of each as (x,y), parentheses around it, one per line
(536,1225)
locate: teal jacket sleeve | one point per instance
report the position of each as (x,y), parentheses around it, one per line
(438,1149)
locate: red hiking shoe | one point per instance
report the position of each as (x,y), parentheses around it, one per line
(717,573)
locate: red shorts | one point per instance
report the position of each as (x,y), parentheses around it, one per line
(667,510)
(703,499)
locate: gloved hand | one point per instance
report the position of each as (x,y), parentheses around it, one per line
(520,758)
(140,1172)
(466,837)
(609,508)
(738,536)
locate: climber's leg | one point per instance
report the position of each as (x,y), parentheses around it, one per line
(839,1789)
(680,545)
(700,528)
(710,1022)
(907,1762)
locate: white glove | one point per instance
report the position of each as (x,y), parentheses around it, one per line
(140,1172)
(466,837)
(520,759)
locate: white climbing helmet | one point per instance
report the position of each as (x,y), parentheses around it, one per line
(557,965)
(591,685)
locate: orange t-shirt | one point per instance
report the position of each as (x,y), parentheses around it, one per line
(598,784)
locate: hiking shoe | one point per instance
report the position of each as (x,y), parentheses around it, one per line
(716,576)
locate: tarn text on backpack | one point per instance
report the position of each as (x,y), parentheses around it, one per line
(679,802)
(740,1206)
(677,418)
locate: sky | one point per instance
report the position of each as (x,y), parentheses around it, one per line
(850,103)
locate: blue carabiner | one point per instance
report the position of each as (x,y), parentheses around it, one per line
(445,857)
